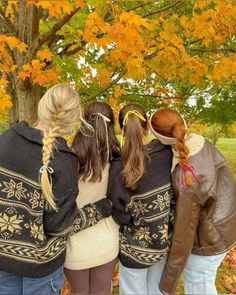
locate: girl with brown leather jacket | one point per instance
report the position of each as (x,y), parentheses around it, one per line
(205,216)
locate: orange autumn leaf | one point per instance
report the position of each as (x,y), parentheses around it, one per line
(24,74)
(45,54)
(51,76)
(80,3)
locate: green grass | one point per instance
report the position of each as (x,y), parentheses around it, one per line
(227,146)
(225,280)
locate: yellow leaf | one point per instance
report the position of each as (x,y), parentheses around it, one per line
(9,10)
(27,67)
(3,81)
(14,42)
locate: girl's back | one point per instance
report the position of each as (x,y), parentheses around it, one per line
(98,244)
(91,256)
(140,190)
(145,213)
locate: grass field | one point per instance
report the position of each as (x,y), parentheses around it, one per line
(227,146)
(226,276)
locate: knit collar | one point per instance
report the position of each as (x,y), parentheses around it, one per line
(194,143)
(36,136)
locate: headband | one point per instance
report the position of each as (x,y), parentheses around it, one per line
(165,139)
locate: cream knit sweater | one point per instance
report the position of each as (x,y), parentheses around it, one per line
(98,244)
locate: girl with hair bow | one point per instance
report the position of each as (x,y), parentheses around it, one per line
(205,214)
(92,254)
(140,190)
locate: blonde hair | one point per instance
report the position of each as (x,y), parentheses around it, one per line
(59,109)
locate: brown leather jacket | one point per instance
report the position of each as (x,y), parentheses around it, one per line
(205,217)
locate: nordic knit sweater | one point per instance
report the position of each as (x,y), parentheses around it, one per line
(145,215)
(98,244)
(32,236)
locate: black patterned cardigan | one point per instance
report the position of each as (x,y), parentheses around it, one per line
(146,214)
(33,237)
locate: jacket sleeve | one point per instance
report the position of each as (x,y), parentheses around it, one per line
(68,219)
(185,224)
(118,194)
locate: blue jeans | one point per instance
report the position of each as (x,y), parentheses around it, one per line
(200,273)
(140,281)
(11,284)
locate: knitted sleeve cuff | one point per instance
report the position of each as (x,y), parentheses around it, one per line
(104,207)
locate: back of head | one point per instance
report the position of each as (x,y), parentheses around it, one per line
(59,110)
(169,123)
(95,146)
(134,125)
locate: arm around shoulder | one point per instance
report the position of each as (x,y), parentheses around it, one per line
(68,219)
(118,194)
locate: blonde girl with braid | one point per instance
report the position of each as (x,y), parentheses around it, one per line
(38,190)
(140,190)
(205,218)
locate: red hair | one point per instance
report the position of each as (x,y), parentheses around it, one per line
(169,123)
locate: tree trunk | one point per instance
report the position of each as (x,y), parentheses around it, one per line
(13,111)
(28,96)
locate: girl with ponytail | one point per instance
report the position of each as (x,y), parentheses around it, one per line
(38,190)
(205,218)
(140,190)
(91,255)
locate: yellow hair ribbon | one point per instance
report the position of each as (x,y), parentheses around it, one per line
(125,121)
(136,113)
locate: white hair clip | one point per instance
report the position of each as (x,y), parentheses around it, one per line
(49,169)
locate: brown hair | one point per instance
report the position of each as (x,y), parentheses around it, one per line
(133,152)
(95,146)
(169,123)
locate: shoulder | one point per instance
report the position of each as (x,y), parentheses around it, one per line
(156,147)
(204,163)
(158,153)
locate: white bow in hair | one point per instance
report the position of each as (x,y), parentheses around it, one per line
(105,120)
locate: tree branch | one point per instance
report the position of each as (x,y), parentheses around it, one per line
(7,21)
(154,96)
(41,39)
(162,9)
(214,50)
(139,6)
(3,25)
(105,88)
(73,51)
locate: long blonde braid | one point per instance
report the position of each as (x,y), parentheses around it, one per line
(60,110)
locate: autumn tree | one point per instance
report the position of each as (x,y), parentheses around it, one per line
(153,52)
